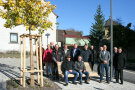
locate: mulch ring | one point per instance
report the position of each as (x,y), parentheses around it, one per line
(15,85)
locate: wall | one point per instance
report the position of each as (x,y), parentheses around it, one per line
(5,44)
(79,41)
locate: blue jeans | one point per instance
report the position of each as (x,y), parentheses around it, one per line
(106,66)
(76,74)
(86,73)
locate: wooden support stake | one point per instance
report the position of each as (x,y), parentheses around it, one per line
(34,71)
(38,79)
(31,63)
(24,61)
(21,61)
(40,43)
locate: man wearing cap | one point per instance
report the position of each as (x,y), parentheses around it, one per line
(68,68)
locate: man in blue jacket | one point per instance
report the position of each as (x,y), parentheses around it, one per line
(75,52)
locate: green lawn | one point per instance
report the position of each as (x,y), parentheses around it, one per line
(11,55)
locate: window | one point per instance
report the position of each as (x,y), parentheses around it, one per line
(13,37)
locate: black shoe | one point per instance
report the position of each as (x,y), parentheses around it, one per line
(86,82)
(100,81)
(54,78)
(80,83)
(66,84)
(117,81)
(108,82)
(121,83)
(75,83)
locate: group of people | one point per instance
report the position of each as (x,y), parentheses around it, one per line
(119,63)
(73,62)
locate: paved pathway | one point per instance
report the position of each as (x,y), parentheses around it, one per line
(95,85)
(9,68)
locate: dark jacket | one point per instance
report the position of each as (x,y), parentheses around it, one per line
(67,65)
(98,58)
(94,56)
(79,66)
(58,56)
(65,54)
(114,58)
(47,56)
(52,47)
(77,53)
(86,55)
(121,61)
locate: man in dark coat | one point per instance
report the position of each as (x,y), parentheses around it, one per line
(99,61)
(93,56)
(115,53)
(86,54)
(66,52)
(75,52)
(120,64)
(57,56)
(81,69)
(52,46)
(68,68)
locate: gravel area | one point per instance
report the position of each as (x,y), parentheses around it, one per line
(9,68)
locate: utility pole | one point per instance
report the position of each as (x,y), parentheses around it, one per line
(111,43)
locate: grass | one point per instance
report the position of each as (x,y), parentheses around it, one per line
(12,54)
(12,84)
(9,55)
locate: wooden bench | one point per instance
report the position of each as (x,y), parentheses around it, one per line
(88,68)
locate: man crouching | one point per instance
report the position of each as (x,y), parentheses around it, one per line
(80,67)
(68,68)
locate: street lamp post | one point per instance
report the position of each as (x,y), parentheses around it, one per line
(111,42)
(47,34)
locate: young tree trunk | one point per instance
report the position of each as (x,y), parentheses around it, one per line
(31,61)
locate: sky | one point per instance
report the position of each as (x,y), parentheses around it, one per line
(79,14)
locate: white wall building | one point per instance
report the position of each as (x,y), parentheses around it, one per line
(10,38)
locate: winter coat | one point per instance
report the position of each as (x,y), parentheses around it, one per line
(93,56)
(115,55)
(65,54)
(57,56)
(67,65)
(77,53)
(79,65)
(86,55)
(47,56)
(121,61)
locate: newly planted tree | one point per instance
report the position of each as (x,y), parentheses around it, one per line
(33,14)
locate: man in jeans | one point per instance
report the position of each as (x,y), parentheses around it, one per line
(104,57)
(68,68)
(80,67)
